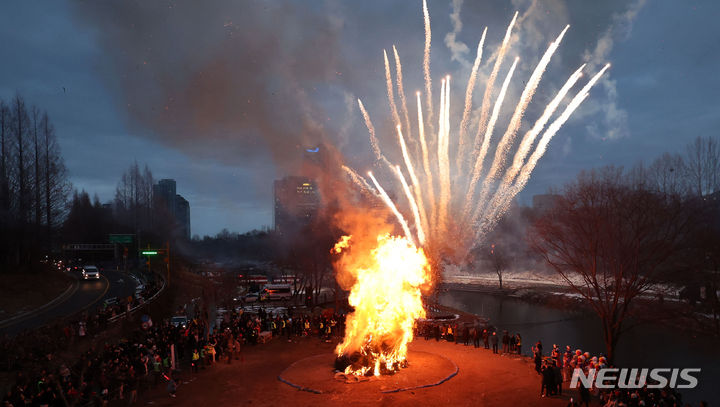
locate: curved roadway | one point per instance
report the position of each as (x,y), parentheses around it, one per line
(86,296)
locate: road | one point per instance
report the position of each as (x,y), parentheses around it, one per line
(87,296)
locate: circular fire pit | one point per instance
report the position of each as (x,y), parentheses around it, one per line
(315,374)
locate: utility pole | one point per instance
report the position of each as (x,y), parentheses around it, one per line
(167,260)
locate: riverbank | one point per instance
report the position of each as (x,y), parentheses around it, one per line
(659,306)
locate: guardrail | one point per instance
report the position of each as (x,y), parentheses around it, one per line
(144,304)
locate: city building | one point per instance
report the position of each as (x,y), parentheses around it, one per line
(166,196)
(182,216)
(296,202)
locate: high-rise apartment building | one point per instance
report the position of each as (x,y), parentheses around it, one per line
(296,201)
(165,194)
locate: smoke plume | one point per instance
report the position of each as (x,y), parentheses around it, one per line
(224,80)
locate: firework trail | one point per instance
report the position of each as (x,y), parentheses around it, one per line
(358,180)
(527,169)
(426,66)
(501,151)
(465,123)
(486,139)
(530,136)
(444,159)
(555,126)
(526,144)
(390,93)
(393,208)
(403,101)
(426,160)
(438,214)
(413,177)
(373,139)
(413,205)
(485,107)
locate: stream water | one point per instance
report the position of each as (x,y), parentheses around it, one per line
(641,346)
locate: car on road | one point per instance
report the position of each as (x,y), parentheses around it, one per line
(179,321)
(90,273)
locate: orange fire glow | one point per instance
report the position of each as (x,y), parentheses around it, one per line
(386,295)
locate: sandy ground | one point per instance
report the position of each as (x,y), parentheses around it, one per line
(484,379)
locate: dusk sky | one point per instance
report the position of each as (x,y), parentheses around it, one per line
(225,96)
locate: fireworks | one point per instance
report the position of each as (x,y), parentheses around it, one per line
(461,202)
(452,202)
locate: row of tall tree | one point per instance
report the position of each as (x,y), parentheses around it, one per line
(34,184)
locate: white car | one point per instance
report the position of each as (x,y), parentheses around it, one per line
(90,273)
(179,321)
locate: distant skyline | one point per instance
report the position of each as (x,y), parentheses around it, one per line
(209,95)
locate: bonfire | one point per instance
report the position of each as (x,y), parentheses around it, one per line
(387,299)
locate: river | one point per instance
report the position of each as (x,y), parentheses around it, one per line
(641,346)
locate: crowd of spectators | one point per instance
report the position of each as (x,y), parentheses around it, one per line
(33,357)
(558,368)
(475,333)
(151,356)
(555,368)
(143,360)
(39,346)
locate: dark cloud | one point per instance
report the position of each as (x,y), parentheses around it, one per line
(249,84)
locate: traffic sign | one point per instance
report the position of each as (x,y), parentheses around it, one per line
(120,238)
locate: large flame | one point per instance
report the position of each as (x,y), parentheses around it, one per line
(387,298)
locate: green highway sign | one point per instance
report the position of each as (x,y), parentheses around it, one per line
(121,238)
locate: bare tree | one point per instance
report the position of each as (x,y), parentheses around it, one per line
(5,196)
(609,240)
(667,175)
(5,162)
(20,129)
(702,163)
(56,184)
(499,261)
(133,197)
(497,258)
(37,178)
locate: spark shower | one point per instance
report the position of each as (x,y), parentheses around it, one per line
(456,201)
